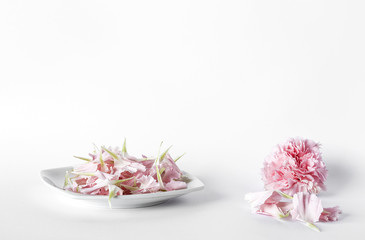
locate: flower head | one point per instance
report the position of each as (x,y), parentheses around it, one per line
(295,166)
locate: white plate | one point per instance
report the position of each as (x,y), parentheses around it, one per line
(55,178)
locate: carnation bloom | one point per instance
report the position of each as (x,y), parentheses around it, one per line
(295,166)
(112,172)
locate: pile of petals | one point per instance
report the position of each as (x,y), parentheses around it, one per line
(293,174)
(112,172)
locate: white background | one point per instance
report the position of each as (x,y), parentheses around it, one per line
(223,81)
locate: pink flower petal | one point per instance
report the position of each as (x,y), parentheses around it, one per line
(175,185)
(256,199)
(148,184)
(272,210)
(87,167)
(172,172)
(307,207)
(330,214)
(268,203)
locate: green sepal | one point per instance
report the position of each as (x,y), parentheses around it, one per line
(284,215)
(312,226)
(129,187)
(67,177)
(162,170)
(83,173)
(114,156)
(164,154)
(157,169)
(111,195)
(122,180)
(284,194)
(179,157)
(144,159)
(101,159)
(124,149)
(82,158)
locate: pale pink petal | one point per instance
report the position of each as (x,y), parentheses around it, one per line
(272,210)
(256,199)
(285,207)
(172,172)
(175,185)
(81,181)
(330,214)
(307,207)
(148,184)
(95,188)
(106,176)
(147,163)
(88,167)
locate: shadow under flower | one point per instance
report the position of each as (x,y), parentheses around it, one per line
(339,177)
(204,197)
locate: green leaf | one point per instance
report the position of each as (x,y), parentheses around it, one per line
(67,176)
(82,158)
(144,159)
(129,187)
(83,173)
(122,180)
(124,149)
(112,193)
(284,194)
(111,153)
(162,170)
(284,216)
(312,226)
(179,157)
(157,169)
(164,154)
(101,159)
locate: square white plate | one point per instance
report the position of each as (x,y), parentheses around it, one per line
(55,178)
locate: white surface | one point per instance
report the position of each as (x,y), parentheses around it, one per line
(55,178)
(223,81)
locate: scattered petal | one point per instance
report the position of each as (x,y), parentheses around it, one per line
(330,214)
(307,207)
(175,185)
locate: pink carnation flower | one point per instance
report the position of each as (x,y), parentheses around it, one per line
(295,166)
